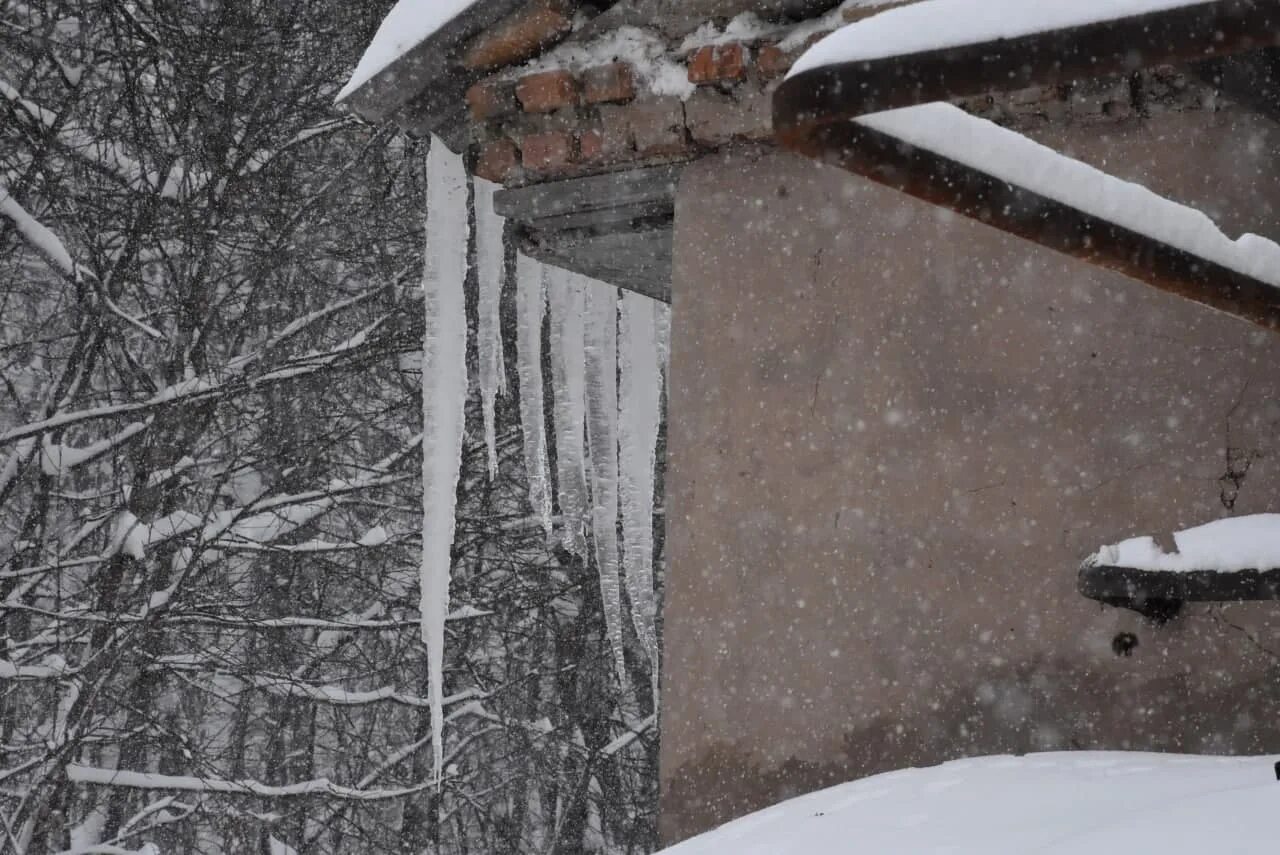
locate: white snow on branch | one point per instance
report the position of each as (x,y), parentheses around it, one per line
(15,461)
(629,737)
(601,339)
(39,236)
(491,257)
(530,311)
(109,156)
(566,299)
(52,668)
(1224,546)
(58,460)
(192,389)
(444,397)
(81,774)
(1008,156)
(407,25)
(639,415)
(941,24)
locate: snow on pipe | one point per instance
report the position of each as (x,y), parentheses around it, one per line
(639,413)
(490,263)
(530,310)
(566,296)
(444,394)
(601,347)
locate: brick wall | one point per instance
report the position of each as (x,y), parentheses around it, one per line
(560,122)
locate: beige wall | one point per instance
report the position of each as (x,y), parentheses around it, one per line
(894,435)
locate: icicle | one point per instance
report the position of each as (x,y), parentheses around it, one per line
(639,411)
(530,309)
(565,296)
(601,339)
(662,320)
(444,395)
(490,263)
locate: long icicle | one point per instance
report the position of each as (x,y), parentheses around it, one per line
(601,340)
(565,297)
(639,413)
(530,310)
(444,395)
(490,265)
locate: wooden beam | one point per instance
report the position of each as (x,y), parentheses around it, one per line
(813,115)
(653,186)
(520,36)
(839,92)
(975,194)
(1110,584)
(638,260)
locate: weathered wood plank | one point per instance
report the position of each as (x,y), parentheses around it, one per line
(522,35)
(651,186)
(637,261)
(605,219)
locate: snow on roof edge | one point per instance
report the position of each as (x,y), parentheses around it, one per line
(409,24)
(940,24)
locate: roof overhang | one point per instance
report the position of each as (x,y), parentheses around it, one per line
(814,113)
(429,79)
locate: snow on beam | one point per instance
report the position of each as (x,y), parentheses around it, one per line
(1230,560)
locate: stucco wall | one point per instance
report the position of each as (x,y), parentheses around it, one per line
(894,434)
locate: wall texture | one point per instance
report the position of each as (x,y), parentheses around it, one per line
(894,434)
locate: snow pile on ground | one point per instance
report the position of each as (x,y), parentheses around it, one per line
(1227,546)
(940,24)
(407,25)
(1075,803)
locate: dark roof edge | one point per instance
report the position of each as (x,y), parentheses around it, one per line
(434,59)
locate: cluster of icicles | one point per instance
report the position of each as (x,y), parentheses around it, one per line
(607,359)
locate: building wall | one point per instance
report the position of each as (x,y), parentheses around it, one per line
(894,435)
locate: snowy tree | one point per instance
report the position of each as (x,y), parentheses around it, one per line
(210,479)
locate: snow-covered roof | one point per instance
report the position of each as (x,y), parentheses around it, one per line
(407,25)
(1077,803)
(941,24)
(1223,546)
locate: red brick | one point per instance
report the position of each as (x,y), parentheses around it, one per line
(773,61)
(547,91)
(498,161)
(492,99)
(591,145)
(609,84)
(547,152)
(718,63)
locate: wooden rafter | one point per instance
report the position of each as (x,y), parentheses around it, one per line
(813,113)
